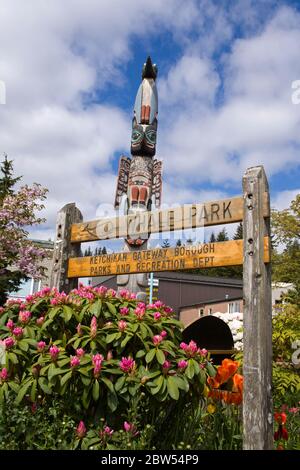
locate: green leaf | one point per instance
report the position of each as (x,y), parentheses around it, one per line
(42,381)
(111,308)
(12,358)
(66,378)
(159,383)
(110,338)
(86,381)
(47,323)
(67,313)
(172,388)
(125,340)
(189,371)
(143,330)
(160,356)
(112,401)
(182,383)
(22,391)
(150,355)
(23,345)
(119,383)
(108,383)
(52,313)
(15,387)
(140,353)
(53,371)
(33,390)
(210,369)
(96,390)
(95,309)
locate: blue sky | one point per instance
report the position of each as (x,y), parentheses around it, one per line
(72,70)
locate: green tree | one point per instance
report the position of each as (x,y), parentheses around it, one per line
(165,244)
(179,243)
(103,251)
(212,238)
(239,232)
(222,236)
(286,247)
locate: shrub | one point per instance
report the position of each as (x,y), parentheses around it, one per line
(98,356)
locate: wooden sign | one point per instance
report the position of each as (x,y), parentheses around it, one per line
(206,255)
(189,216)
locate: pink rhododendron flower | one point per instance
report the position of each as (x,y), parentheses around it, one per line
(18,332)
(130,427)
(127,364)
(166,365)
(97,360)
(133,295)
(40,321)
(54,352)
(93,327)
(158,304)
(124,310)
(139,312)
(122,325)
(81,430)
(157,339)
(10,324)
(202,352)
(107,430)
(9,342)
(80,352)
(124,293)
(75,361)
(102,290)
(41,346)
(182,364)
(190,349)
(24,316)
(111,292)
(163,334)
(4,374)
(294,410)
(109,355)
(157,315)
(168,309)
(78,329)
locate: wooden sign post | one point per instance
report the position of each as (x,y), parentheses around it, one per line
(257,331)
(253,252)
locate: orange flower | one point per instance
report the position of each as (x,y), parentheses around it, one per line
(238,381)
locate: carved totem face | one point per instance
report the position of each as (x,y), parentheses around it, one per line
(143,139)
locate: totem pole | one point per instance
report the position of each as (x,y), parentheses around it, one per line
(139,179)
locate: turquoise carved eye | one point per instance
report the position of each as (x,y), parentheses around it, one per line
(136,136)
(150,136)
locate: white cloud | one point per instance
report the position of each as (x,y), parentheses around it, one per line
(54,54)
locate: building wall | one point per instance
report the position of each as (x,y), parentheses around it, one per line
(190,314)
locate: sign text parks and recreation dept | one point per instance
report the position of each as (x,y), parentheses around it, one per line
(205,255)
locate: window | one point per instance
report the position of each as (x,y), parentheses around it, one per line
(233,307)
(201,312)
(210,311)
(28,287)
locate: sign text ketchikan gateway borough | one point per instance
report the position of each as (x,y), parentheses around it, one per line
(205,255)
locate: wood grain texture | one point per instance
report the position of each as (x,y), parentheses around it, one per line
(64,249)
(185,217)
(206,255)
(257,339)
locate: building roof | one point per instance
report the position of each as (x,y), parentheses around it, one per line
(210,302)
(178,276)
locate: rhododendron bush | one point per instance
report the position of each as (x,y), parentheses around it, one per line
(100,350)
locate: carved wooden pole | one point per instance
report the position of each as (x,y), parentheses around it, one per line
(64,249)
(257,369)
